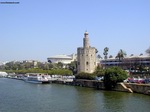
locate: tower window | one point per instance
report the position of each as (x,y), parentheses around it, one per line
(87,63)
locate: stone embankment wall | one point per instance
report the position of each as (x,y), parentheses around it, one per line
(139,88)
(99,85)
(124,87)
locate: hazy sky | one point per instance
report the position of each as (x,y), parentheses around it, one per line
(37,29)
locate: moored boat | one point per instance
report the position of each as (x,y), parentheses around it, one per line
(36,78)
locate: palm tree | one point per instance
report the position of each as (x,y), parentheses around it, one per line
(141,54)
(99,56)
(148,51)
(132,55)
(110,56)
(106,49)
(121,55)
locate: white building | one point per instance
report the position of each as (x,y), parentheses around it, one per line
(131,62)
(65,59)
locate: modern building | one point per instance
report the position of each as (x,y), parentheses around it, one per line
(128,63)
(86,56)
(65,59)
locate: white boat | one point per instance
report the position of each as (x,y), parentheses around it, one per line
(36,78)
(3,74)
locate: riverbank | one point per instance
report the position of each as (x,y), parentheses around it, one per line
(123,87)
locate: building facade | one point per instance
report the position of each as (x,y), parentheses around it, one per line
(132,63)
(64,59)
(86,56)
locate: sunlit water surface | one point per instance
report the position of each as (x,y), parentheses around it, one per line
(19,96)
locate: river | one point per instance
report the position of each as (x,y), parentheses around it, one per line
(19,96)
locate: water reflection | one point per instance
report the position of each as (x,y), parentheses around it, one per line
(113,101)
(18,96)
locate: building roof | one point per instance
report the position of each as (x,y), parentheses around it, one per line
(61,56)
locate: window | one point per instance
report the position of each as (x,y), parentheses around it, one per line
(87,63)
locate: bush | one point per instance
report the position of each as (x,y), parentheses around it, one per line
(84,75)
(114,75)
(99,72)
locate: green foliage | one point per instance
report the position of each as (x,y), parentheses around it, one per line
(106,49)
(73,67)
(50,72)
(84,75)
(29,67)
(121,54)
(114,75)
(99,71)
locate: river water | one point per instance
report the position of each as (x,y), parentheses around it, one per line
(19,96)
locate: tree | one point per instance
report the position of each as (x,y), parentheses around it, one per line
(60,65)
(46,66)
(112,76)
(106,49)
(121,54)
(99,71)
(132,55)
(110,56)
(99,56)
(73,67)
(141,54)
(148,51)
(28,65)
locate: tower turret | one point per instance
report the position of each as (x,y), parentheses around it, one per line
(86,40)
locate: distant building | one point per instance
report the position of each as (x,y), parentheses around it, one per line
(128,63)
(64,59)
(86,56)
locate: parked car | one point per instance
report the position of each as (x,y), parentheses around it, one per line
(136,80)
(146,81)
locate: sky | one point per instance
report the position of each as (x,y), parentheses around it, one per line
(38,29)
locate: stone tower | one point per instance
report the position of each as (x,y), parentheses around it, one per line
(86,56)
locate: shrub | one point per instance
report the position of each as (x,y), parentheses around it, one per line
(99,71)
(84,75)
(114,75)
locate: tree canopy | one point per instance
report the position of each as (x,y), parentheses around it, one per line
(121,54)
(114,75)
